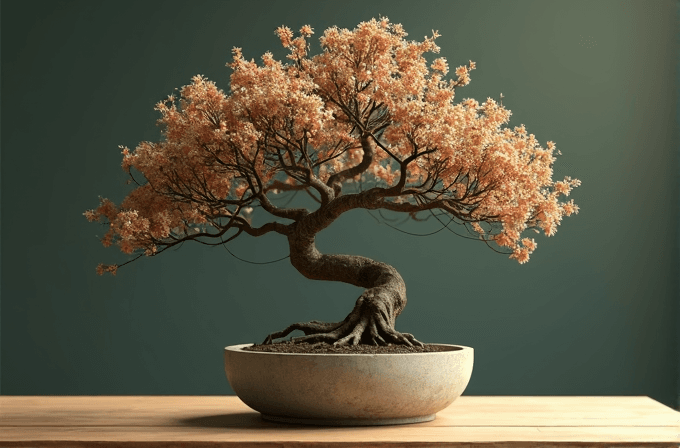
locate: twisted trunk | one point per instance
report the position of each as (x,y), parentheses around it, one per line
(372,319)
(374,314)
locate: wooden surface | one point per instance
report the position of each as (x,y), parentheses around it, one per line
(211,421)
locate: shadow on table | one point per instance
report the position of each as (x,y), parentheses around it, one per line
(237,420)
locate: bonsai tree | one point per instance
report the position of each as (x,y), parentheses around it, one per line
(365,124)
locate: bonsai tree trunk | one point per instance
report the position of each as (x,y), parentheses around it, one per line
(372,319)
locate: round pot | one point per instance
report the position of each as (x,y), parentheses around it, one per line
(348,389)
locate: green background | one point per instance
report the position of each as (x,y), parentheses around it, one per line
(595,311)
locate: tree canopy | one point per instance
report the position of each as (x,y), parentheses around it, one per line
(369,108)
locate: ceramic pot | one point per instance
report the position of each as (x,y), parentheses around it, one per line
(348,389)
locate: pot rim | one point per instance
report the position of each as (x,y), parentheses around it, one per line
(459,348)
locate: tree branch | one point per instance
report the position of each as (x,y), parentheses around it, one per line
(308,179)
(335,181)
(288,213)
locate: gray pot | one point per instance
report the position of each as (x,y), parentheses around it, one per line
(348,389)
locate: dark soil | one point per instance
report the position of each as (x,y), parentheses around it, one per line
(322,347)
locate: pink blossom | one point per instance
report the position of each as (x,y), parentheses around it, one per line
(300,123)
(285,34)
(306,31)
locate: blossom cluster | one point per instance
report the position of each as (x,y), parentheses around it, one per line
(301,122)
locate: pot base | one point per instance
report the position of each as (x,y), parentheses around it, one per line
(348,421)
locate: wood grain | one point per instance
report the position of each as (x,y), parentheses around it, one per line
(201,421)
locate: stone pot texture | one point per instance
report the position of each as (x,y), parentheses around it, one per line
(348,389)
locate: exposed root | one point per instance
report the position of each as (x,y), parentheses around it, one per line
(370,322)
(314,327)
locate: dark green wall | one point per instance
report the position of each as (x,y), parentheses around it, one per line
(595,312)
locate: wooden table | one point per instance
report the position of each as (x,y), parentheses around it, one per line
(211,421)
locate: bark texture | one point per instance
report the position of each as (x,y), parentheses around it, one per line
(374,314)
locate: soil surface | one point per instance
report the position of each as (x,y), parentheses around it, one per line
(322,347)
